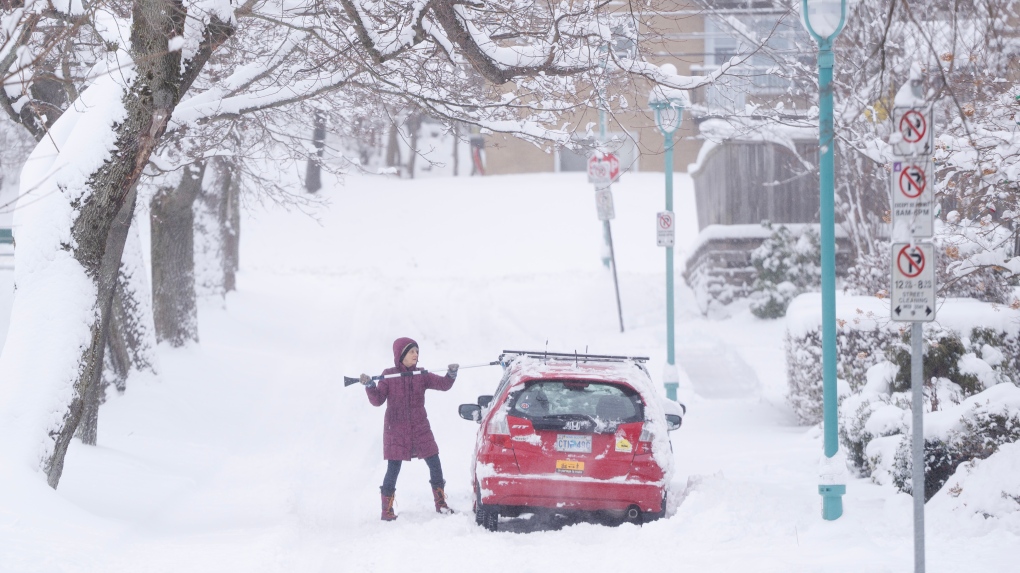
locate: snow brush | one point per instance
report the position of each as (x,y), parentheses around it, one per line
(349,381)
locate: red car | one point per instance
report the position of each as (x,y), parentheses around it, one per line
(572,434)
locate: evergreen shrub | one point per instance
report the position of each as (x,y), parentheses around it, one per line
(787,265)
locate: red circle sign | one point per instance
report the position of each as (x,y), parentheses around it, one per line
(910,261)
(665,221)
(912,181)
(913,126)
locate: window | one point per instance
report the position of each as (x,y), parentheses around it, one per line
(606,404)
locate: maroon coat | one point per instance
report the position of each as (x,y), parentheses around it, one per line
(406,430)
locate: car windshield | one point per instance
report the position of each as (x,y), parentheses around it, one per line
(598,401)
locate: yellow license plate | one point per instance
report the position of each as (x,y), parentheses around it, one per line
(569,467)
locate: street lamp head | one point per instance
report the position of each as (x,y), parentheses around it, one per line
(668,115)
(668,104)
(823,19)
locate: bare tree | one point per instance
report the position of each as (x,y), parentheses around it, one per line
(141,71)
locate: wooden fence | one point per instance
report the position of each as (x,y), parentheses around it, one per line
(738,185)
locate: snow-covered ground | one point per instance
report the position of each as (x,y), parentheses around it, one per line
(247,454)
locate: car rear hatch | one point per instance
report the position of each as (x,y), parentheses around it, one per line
(575,428)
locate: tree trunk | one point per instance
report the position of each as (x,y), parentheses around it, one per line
(413,127)
(95,390)
(456,150)
(174,307)
(313,177)
(217,228)
(230,216)
(393,147)
(148,102)
(131,338)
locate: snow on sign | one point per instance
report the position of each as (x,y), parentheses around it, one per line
(665,229)
(913,282)
(914,130)
(603,169)
(910,187)
(604,203)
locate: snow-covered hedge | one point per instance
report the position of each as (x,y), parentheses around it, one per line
(972,430)
(971,397)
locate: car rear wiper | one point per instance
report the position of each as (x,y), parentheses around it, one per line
(569,422)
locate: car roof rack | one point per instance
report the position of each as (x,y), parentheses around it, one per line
(572,356)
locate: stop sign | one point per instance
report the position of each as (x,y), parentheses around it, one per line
(603,169)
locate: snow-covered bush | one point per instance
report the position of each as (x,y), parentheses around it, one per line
(787,265)
(940,461)
(972,347)
(943,351)
(804,375)
(985,487)
(973,430)
(872,413)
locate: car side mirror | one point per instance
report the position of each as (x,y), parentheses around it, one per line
(673,422)
(471,412)
(484,400)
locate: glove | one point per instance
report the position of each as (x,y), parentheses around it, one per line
(451,371)
(367,381)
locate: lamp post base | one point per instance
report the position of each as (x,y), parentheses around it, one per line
(832,501)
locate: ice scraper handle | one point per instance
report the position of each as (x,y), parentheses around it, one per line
(348,381)
(452,370)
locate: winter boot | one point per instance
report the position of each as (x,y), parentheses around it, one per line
(439,496)
(387,507)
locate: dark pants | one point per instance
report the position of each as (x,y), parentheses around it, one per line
(389,484)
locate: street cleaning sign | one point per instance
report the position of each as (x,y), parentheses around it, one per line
(910,189)
(913,282)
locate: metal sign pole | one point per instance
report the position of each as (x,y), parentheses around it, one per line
(616,283)
(917,408)
(913,264)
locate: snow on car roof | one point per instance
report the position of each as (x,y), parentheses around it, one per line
(526,368)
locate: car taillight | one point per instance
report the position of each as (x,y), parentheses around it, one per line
(645,442)
(499,430)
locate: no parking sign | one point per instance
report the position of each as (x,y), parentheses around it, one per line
(913,282)
(910,189)
(915,129)
(665,229)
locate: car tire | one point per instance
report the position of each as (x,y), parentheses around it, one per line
(486,515)
(655,515)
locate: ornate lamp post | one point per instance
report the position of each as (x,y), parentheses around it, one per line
(668,105)
(824,20)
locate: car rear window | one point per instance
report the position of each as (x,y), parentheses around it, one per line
(604,403)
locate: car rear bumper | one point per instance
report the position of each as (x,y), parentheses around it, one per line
(571,493)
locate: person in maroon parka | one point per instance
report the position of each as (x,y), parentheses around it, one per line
(406,430)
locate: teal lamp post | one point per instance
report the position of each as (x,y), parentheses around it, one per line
(668,105)
(824,19)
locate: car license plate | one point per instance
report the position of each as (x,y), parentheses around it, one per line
(569,466)
(578,444)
